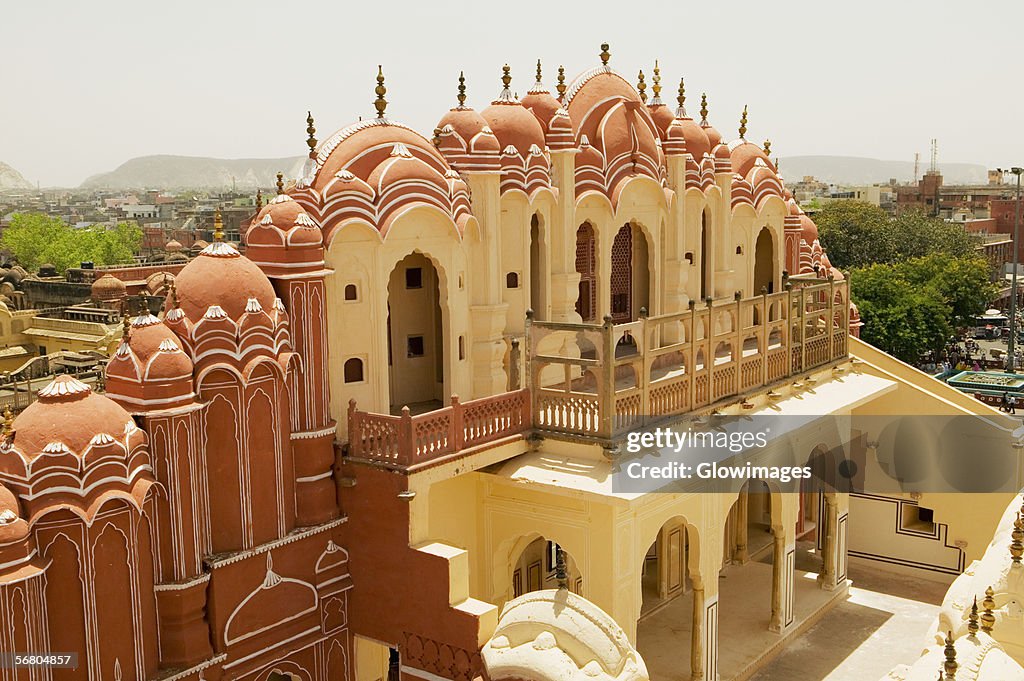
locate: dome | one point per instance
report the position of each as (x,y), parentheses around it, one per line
(808,230)
(471,127)
(514,126)
(108,288)
(283,222)
(540,102)
(555,635)
(220,276)
(67,417)
(745,155)
(592,88)
(697,143)
(156,349)
(173,246)
(199,245)
(663,117)
(714,137)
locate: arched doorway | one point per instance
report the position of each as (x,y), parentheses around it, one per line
(536,569)
(764,263)
(538,271)
(705,266)
(630,274)
(416,349)
(664,576)
(586,266)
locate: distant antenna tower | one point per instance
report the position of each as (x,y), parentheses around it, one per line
(917,164)
(935,155)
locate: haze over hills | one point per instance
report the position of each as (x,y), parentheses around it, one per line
(193,172)
(856,170)
(12,179)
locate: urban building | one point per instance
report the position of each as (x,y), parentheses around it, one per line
(382,443)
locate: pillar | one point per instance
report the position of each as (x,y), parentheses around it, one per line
(833,571)
(783,567)
(704,643)
(741,555)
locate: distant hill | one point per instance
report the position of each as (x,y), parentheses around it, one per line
(855,170)
(193,172)
(11,178)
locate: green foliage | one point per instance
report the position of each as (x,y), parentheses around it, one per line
(35,238)
(858,234)
(913,306)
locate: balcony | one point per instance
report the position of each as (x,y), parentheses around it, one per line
(596,382)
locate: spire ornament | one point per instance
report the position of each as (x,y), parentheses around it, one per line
(656,85)
(950,666)
(767,148)
(605,55)
(561,87)
(681,100)
(743,123)
(380,104)
(311,132)
(505,96)
(641,86)
(462,90)
(988,618)
(704,109)
(1017,541)
(8,428)
(259,199)
(540,80)
(218,227)
(280,184)
(972,620)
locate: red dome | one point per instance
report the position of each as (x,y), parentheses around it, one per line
(808,230)
(66,417)
(221,276)
(542,105)
(663,117)
(745,155)
(108,288)
(283,222)
(514,126)
(697,143)
(714,137)
(472,128)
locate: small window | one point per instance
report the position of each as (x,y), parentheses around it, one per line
(414,277)
(415,346)
(354,370)
(512,280)
(462,347)
(462,282)
(739,250)
(689,257)
(351,292)
(917,519)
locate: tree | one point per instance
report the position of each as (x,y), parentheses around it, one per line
(859,234)
(35,238)
(962,283)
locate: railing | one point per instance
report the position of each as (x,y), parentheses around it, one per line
(601,380)
(407,440)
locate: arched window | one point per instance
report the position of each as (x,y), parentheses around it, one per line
(351,292)
(512,280)
(354,370)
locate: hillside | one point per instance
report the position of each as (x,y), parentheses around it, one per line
(11,178)
(856,170)
(192,172)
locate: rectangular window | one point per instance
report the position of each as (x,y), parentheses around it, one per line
(415,346)
(414,277)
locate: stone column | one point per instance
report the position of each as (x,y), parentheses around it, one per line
(704,644)
(783,567)
(833,552)
(741,555)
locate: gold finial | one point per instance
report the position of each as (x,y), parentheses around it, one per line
(641,86)
(656,84)
(743,123)
(311,132)
(605,54)
(704,108)
(126,321)
(8,421)
(218,226)
(437,137)
(380,103)
(950,666)
(767,148)
(988,618)
(259,199)
(174,294)
(539,74)
(972,619)
(462,90)
(1017,540)
(561,87)
(776,164)
(506,77)
(681,99)
(280,183)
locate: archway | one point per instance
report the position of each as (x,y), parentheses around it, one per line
(536,569)
(630,274)
(586,266)
(416,348)
(664,575)
(764,263)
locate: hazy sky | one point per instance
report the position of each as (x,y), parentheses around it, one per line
(87,85)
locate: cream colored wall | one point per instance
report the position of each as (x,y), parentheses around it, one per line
(371,660)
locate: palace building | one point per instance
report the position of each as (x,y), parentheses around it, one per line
(381,441)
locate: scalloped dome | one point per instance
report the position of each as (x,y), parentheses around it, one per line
(157,351)
(173,246)
(697,143)
(107,288)
(714,137)
(745,155)
(468,124)
(514,125)
(283,221)
(221,276)
(68,412)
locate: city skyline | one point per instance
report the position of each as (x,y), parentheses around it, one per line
(122,85)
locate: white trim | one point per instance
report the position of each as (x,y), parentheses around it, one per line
(314,478)
(181,586)
(420,674)
(269,546)
(310,434)
(276,645)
